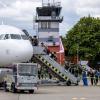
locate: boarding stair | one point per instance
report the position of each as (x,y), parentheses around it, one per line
(57,70)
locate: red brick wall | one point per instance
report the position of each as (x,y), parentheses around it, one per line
(60,56)
(72,59)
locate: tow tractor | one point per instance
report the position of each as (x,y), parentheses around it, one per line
(21,77)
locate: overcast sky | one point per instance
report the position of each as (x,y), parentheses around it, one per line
(20,12)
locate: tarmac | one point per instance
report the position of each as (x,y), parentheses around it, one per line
(56,93)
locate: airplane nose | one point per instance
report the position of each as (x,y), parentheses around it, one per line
(25,52)
(16,52)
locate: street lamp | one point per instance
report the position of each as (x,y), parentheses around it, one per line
(77,53)
(77,49)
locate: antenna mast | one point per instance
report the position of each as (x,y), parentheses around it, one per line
(53,1)
(42,3)
(49,2)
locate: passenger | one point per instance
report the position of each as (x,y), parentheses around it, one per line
(31,39)
(35,41)
(84,78)
(54,43)
(42,44)
(46,50)
(96,77)
(50,76)
(53,56)
(42,75)
(39,74)
(92,76)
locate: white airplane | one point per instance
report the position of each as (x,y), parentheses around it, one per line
(15,46)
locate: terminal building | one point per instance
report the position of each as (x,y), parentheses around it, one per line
(48,18)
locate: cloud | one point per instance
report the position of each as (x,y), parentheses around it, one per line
(86,7)
(73,10)
(21,12)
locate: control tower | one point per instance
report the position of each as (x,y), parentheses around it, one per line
(48,18)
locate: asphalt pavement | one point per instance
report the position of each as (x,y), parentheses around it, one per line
(56,93)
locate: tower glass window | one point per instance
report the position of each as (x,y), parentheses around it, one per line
(50,39)
(53,14)
(43,25)
(49,25)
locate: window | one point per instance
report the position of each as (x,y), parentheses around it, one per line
(49,25)
(2,36)
(43,25)
(27,70)
(50,39)
(24,37)
(53,14)
(6,36)
(15,36)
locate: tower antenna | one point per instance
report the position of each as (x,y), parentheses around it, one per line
(53,1)
(42,3)
(49,2)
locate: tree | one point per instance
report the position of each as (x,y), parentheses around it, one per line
(84,37)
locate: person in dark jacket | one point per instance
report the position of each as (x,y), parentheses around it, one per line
(35,41)
(92,76)
(96,77)
(53,55)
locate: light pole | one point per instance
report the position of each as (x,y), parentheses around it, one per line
(77,53)
(78,50)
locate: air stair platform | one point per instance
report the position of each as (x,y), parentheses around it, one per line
(57,70)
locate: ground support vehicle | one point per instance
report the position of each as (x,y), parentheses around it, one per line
(21,77)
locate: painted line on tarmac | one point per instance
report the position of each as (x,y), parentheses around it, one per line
(79,98)
(82,98)
(74,98)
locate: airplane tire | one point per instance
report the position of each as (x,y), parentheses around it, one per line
(13,89)
(31,91)
(5,87)
(22,91)
(76,84)
(68,83)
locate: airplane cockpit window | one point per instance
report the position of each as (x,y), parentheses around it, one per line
(15,36)
(24,37)
(2,36)
(6,36)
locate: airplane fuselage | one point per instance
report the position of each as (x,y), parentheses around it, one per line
(14,50)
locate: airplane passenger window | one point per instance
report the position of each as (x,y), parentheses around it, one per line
(15,36)
(24,37)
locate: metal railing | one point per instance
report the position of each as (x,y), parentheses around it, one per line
(56,4)
(49,18)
